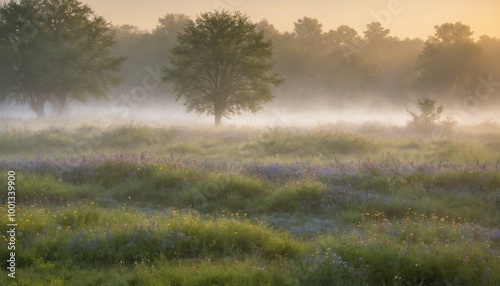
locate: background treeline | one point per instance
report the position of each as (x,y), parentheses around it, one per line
(53,55)
(340,67)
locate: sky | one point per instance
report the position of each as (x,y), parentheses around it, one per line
(405,18)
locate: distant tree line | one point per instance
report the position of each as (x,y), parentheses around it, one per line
(53,52)
(341,66)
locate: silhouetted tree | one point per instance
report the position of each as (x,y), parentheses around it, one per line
(222,65)
(171,25)
(394,59)
(343,35)
(375,32)
(449,59)
(310,39)
(309,34)
(147,50)
(352,72)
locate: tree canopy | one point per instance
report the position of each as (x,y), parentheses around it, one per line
(57,51)
(449,59)
(54,51)
(222,65)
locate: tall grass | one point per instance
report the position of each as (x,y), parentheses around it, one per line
(321,206)
(320,144)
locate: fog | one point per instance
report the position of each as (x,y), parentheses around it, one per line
(320,142)
(322,83)
(271,116)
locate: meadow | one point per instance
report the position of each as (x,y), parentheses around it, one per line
(145,204)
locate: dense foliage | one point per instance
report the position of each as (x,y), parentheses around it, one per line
(327,68)
(343,66)
(55,51)
(222,65)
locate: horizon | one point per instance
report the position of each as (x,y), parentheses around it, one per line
(392,14)
(400,16)
(404,18)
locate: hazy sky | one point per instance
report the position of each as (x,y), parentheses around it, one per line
(405,18)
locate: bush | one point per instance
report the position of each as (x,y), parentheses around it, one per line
(305,196)
(428,114)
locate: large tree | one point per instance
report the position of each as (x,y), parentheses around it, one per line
(222,65)
(54,50)
(449,59)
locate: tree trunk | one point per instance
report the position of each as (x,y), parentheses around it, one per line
(40,112)
(61,105)
(38,106)
(218,117)
(218,110)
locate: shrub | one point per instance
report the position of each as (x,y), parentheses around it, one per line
(427,115)
(304,196)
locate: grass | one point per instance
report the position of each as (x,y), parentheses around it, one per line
(320,144)
(135,205)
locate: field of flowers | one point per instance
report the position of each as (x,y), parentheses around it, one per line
(159,205)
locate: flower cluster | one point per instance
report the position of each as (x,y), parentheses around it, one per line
(275,171)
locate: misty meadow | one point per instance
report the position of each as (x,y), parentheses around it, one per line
(218,150)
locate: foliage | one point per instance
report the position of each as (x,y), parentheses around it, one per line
(449,60)
(332,67)
(428,114)
(222,65)
(54,51)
